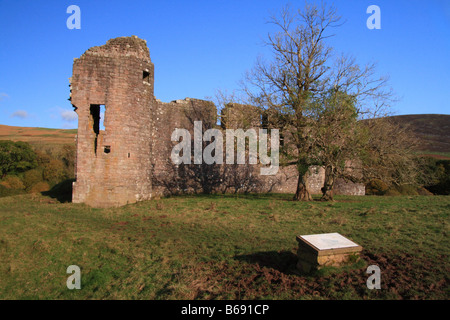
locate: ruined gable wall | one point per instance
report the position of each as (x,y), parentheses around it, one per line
(113,75)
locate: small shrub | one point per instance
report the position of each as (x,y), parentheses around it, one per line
(441,185)
(42,158)
(67,155)
(392,192)
(13,182)
(40,187)
(54,171)
(32,177)
(407,190)
(376,187)
(6,192)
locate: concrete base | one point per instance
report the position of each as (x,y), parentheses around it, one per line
(329,249)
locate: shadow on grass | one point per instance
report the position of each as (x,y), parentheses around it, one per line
(286,263)
(283,261)
(61,191)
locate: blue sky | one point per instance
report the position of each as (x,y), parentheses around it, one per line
(201,46)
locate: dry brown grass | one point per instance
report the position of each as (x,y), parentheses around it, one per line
(37,135)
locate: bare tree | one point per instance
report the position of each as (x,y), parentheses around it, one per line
(286,84)
(304,70)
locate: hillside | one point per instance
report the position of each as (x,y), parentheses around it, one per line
(432,129)
(38,135)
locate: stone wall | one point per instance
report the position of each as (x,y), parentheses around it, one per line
(167,118)
(129,160)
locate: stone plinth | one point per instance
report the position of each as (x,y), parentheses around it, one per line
(327,249)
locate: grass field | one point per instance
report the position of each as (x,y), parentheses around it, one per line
(221,247)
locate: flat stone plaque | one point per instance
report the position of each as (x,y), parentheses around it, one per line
(327,241)
(326,249)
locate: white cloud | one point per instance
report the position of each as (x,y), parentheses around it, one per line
(20,114)
(3,96)
(69,115)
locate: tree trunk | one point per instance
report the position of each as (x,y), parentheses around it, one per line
(327,189)
(302,192)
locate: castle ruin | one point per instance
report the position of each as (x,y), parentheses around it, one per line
(124,135)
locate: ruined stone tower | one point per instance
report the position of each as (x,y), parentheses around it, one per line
(113,84)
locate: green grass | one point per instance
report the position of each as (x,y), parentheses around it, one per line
(221,247)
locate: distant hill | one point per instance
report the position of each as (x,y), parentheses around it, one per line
(38,135)
(433,130)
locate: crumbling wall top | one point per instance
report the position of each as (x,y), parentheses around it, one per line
(122,47)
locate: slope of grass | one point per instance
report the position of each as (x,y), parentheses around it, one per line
(38,135)
(220,247)
(433,131)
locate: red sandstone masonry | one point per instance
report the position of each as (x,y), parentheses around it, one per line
(112,75)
